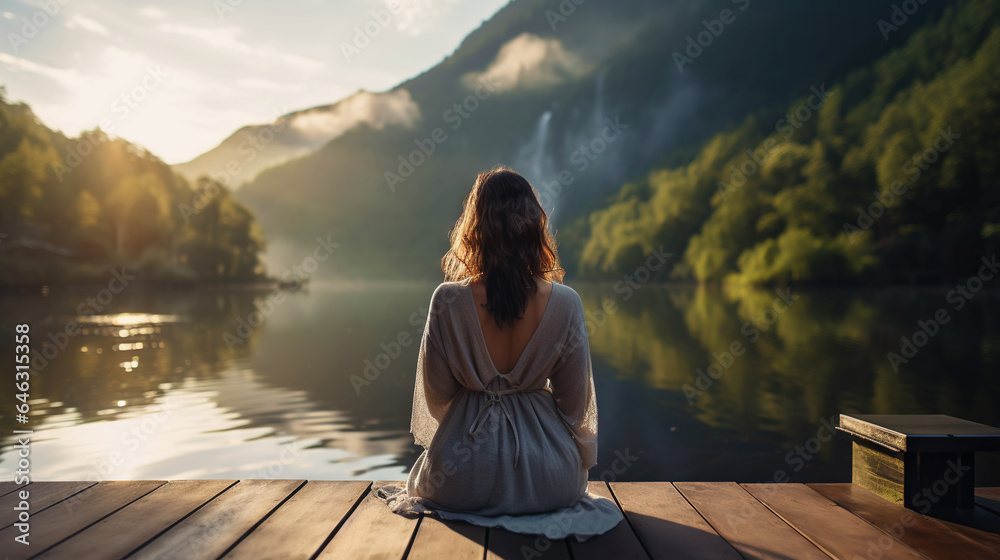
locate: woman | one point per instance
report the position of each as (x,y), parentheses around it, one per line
(504,400)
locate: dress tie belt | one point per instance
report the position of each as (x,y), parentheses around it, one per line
(495,398)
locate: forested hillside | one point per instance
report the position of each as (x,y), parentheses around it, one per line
(891,175)
(534,92)
(76,209)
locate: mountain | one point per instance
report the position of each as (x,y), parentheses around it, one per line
(579,101)
(252,149)
(888,176)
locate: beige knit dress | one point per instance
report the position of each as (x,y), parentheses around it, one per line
(505,450)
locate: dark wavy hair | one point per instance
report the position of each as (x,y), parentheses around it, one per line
(502,237)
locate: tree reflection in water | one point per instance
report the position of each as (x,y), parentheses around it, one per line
(162,388)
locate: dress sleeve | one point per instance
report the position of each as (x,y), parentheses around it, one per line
(435,385)
(573,388)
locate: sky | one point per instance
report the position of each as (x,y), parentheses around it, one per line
(179,77)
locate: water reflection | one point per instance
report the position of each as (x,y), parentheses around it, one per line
(155,391)
(803,362)
(321,388)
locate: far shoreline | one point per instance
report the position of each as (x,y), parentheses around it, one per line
(354,283)
(179,287)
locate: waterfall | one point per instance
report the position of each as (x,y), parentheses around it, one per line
(534,162)
(532,159)
(598,116)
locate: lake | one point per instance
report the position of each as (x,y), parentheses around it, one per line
(693,383)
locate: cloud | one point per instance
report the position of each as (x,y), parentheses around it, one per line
(152,12)
(118,71)
(376,109)
(80,22)
(225,38)
(417,16)
(81,98)
(223,75)
(262,84)
(67,78)
(528,62)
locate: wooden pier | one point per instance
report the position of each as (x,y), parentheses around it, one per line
(289,519)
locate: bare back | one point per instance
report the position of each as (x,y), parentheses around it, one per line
(506,345)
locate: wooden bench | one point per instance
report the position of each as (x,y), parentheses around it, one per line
(922,461)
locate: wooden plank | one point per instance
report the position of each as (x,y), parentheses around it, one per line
(667,525)
(505,545)
(220,523)
(55,524)
(8,486)
(441,538)
(922,432)
(879,470)
(837,531)
(132,526)
(751,528)
(41,495)
(372,532)
(298,528)
(981,521)
(933,538)
(988,499)
(619,543)
(988,539)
